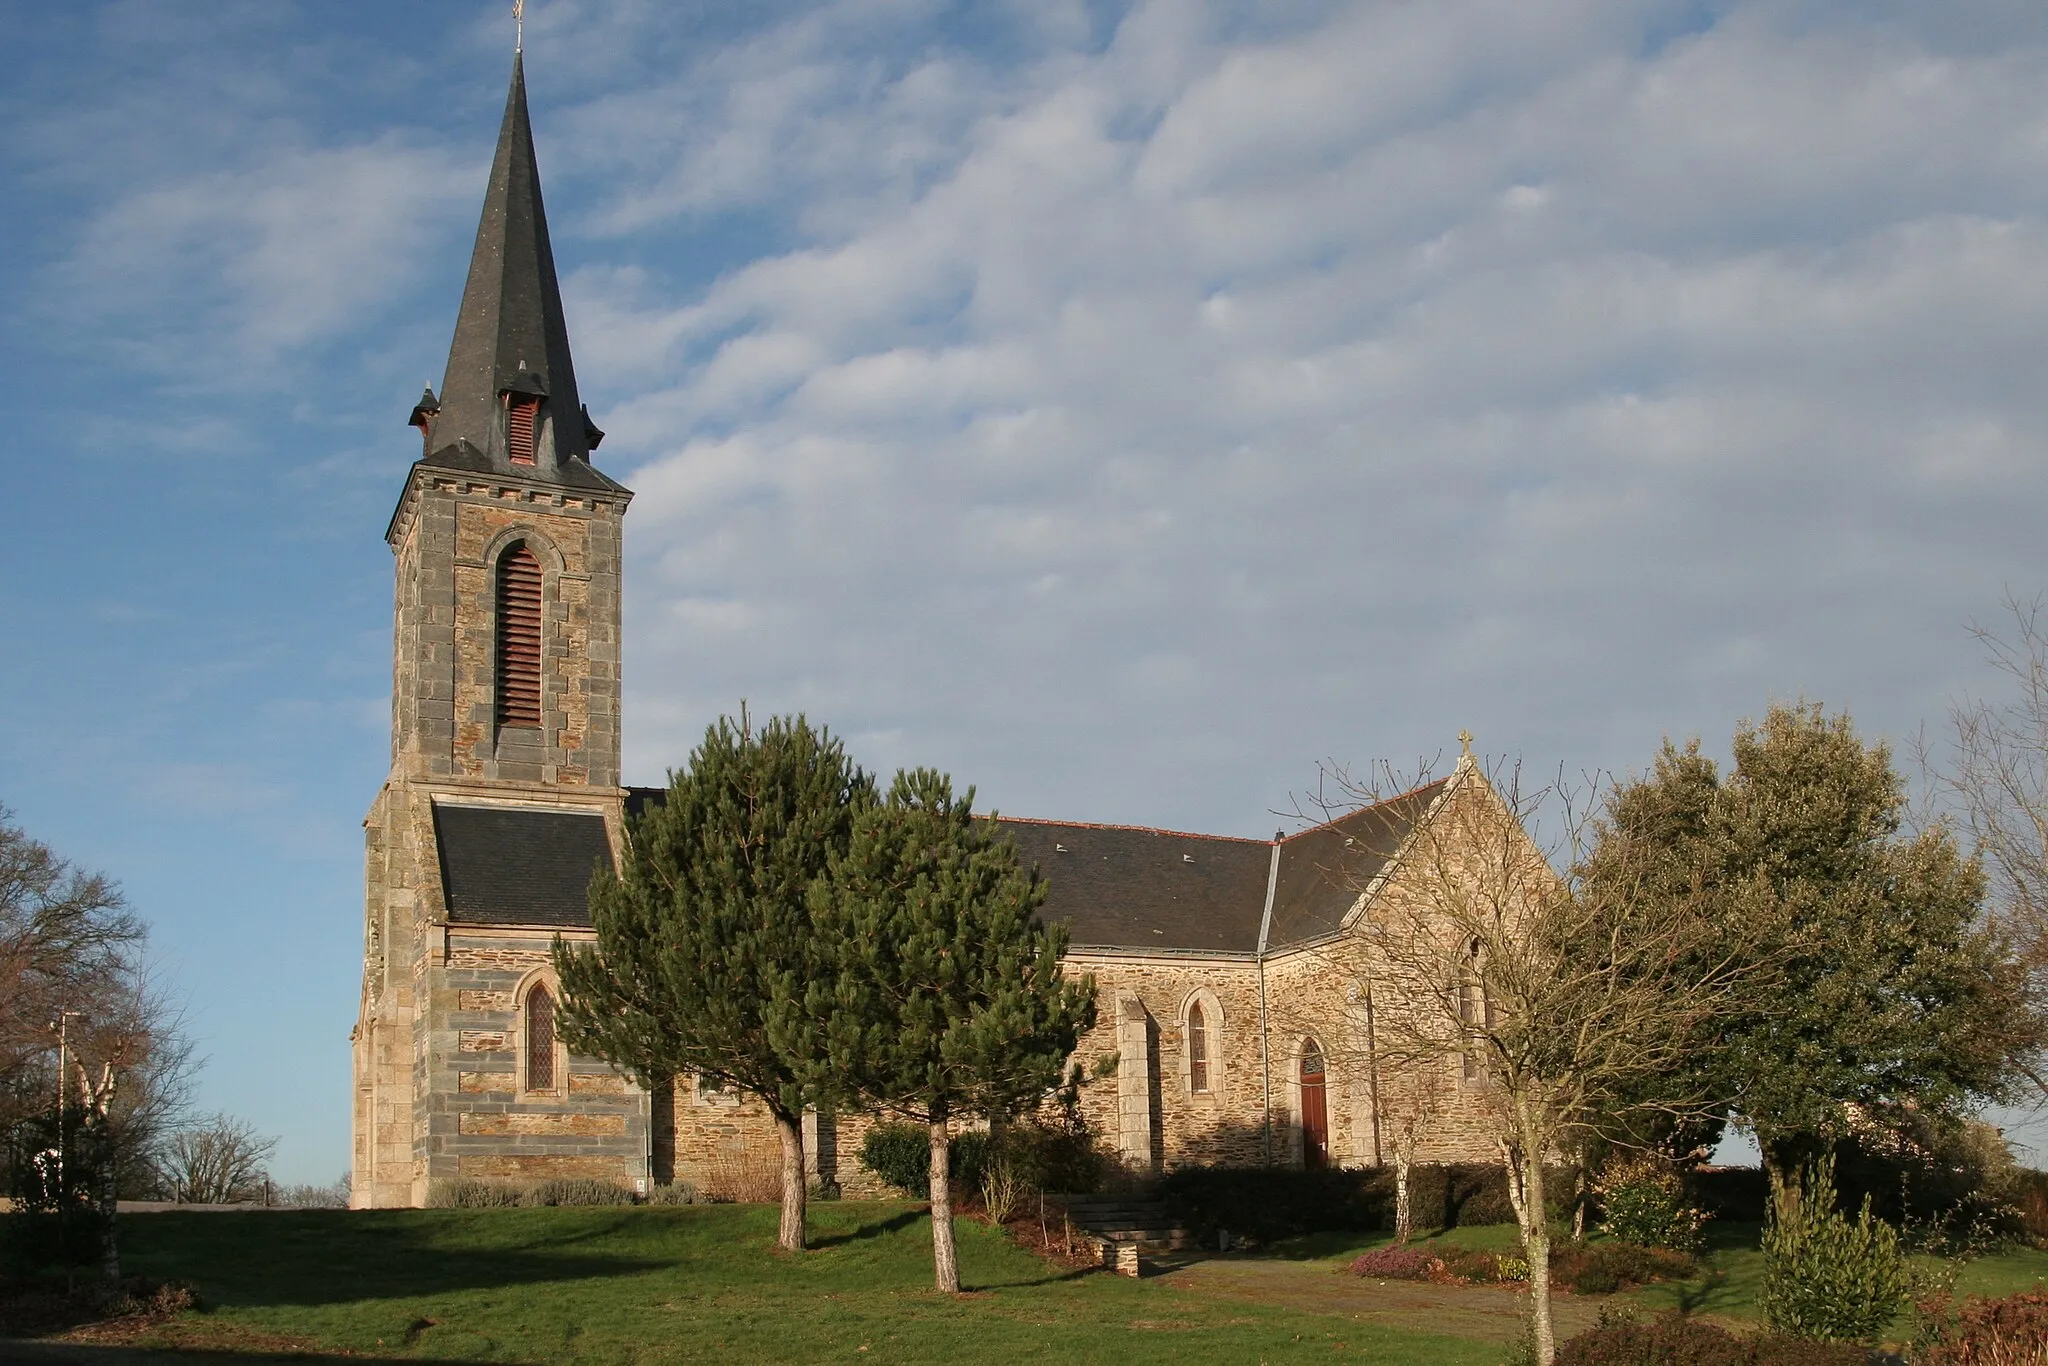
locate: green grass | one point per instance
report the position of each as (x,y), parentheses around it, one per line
(700,1284)
(1732,1265)
(1735,1268)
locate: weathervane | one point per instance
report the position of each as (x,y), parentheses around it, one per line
(519,25)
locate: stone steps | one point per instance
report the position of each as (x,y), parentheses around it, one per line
(1127,1228)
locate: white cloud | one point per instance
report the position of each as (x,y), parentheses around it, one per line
(1203,406)
(242,263)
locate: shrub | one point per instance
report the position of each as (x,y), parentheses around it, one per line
(1605,1267)
(1054,1156)
(1673,1340)
(577,1191)
(901,1155)
(1643,1201)
(674,1193)
(1825,1277)
(1396,1264)
(2030,1207)
(1261,1204)
(2004,1332)
(468,1193)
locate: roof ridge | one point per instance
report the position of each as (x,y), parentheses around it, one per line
(1370,806)
(1140,829)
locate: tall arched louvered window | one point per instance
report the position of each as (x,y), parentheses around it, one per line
(1198,1048)
(519,638)
(540,1039)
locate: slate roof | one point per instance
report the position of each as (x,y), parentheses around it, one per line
(509,865)
(1134,888)
(1323,869)
(1120,886)
(510,334)
(1114,886)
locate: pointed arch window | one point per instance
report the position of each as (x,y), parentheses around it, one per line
(1198,1049)
(538,1044)
(518,644)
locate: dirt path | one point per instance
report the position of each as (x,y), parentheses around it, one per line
(1487,1313)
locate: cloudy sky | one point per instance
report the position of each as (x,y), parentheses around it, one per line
(1126,407)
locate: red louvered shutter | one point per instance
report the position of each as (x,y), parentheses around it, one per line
(519,429)
(519,638)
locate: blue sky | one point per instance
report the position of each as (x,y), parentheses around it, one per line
(1125,407)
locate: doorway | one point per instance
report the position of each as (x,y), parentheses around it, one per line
(1315,1114)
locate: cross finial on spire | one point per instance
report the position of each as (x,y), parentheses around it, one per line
(1465,746)
(519,25)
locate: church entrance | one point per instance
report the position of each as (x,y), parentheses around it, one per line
(1315,1114)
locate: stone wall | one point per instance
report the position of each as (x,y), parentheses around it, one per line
(448,537)
(477,1118)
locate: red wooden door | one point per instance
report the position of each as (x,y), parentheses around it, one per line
(1315,1114)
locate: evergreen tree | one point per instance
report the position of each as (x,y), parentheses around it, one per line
(707,934)
(946,998)
(1885,988)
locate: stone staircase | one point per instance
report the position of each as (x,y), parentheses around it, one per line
(1128,1227)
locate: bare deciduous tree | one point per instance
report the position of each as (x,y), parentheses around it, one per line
(1493,973)
(69,943)
(217,1161)
(1997,783)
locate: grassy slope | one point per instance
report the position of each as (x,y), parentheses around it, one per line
(660,1285)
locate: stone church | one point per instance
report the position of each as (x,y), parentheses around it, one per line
(1229,1028)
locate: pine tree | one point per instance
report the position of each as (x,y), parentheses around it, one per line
(707,934)
(946,998)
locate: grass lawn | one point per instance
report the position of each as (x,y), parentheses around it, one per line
(699,1284)
(1733,1269)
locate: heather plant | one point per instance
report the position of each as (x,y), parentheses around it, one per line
(1827,1277)
(2012,1331)
(1676,1340)
(1396,1263)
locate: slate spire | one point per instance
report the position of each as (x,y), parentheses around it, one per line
(508,402)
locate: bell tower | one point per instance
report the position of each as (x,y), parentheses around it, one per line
(505,665)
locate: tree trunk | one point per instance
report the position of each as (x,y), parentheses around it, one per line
(1404,1215)
(1524,1162)
(794,1192)
(109,1193)
(945,1263)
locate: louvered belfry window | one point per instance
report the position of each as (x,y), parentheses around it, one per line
(519,421)
(1198,1049)
(519,638)
(540,1040)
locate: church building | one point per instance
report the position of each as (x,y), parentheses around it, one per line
(1233,1024)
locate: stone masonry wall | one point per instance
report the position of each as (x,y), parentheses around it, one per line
(477,1121)
(450,533)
